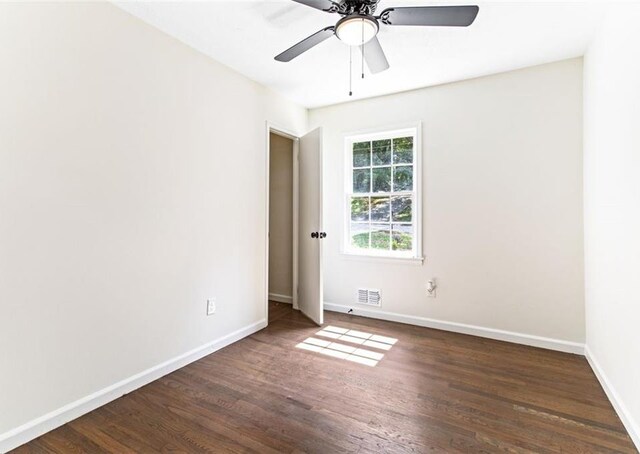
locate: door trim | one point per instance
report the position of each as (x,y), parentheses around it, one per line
(275,129)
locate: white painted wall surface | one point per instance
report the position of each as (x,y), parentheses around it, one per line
(612,208)
(132,185)
(502,202)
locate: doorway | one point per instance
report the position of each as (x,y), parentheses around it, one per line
(282,219)
(293,199)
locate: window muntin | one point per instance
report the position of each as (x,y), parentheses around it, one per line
(381,194)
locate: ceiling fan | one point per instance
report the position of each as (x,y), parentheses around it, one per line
(359,25)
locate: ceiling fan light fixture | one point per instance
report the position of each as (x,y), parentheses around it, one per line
(356,30)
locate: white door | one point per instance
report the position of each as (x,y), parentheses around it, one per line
(310,231)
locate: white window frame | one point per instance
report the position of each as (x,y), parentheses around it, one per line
(415,255)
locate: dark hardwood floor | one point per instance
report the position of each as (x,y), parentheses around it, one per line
(285,390)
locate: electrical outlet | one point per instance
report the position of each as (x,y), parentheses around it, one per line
(211,306)
(431,288)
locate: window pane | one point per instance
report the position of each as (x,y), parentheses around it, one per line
(401,209)
(381,179)
(403,178)
(402,237)
(381,154)
(360,235)
(380,236)
(381,204)
(361,180)
(360,208)
(380,209)
(361,154)
(403,150)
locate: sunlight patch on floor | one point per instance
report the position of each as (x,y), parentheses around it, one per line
(352,353)
(358,337)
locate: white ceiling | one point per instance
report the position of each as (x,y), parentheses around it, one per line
(246,35)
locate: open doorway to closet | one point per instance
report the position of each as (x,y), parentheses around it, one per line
(294,225)
(282,214)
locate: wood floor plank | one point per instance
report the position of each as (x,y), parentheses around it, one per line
(432,391)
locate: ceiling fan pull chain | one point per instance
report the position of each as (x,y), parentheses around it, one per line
(362,47)
(350,69)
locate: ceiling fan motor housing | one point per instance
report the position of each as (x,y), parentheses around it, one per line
(362,7)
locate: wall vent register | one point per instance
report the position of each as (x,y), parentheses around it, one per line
(370,297)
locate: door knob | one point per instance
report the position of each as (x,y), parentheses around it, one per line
(323,234)
(314,235)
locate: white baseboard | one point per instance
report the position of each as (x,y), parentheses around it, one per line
(39,426)
(632,427)
(490,333)
(280,298)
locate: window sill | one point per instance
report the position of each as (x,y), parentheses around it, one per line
(382,259)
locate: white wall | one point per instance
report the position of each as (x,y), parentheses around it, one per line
(132,185)
(502,206)
(280,216)
(612,209)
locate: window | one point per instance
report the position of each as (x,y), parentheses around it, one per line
(382,194)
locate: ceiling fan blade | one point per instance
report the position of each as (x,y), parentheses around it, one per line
(306,44)
(323,5)
(374,56)
(437,16)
